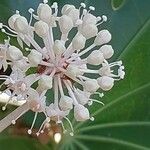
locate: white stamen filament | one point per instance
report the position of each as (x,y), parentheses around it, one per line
(35,117)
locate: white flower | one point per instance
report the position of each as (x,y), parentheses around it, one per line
(14,53)
(66,103)
(81,113)
(61,65)
(105,82)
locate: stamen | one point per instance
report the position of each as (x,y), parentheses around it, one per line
(97,101)
(8,28)
(31,10)
(103,19)
(92,118)
(5,106)
(55,6)
(100,94)
(84,13)
(30,130)
(71,133)
(83,5)
(9,34)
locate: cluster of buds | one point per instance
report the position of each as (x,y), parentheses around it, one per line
(62,65)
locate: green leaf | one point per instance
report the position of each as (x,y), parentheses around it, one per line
(17,143)
(117,4)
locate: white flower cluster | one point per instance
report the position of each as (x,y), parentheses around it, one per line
(60,63)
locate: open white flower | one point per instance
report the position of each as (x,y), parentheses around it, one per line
(59,64)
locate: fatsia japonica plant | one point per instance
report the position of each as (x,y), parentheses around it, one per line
(62,65)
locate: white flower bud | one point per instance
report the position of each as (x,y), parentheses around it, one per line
(35,58)
(88,30)
(82,96)
(67,8)
(95,58)
(103,37)
(45,82)
(89,19)
(105,70)
(78,42)
(105,83)
(65,24)
(74,15)
(81,113)
(66,103)
(14,53)
(107,51)
(12,19)
(58,47)
(21,25)
(73,70)
(44,12)
(91,85)
(41,28)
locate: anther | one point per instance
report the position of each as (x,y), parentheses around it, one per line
(83,5)
(92,8)
(92,118)
(31,10)
(45,1)
(13,122)
(29,131)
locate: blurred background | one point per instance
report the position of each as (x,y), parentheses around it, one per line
(124,122)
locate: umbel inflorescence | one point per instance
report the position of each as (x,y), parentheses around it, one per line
(61,64)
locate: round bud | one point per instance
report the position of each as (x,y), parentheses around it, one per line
(91,85)
(95,58)
(107,51)
(74,15)
(41,28)
(58,47)
(65,24)
(88,30)
(66,103)
(81,113)
(103,37)
(44,12)
(78,42)
(105,83)
(105,70)
(82,96)
(12,19)
(67,8)
(35,58)
(73,70)
(21,25)
(14,53)
(89,19)
(45,82)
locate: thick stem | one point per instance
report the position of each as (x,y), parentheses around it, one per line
(7,121)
